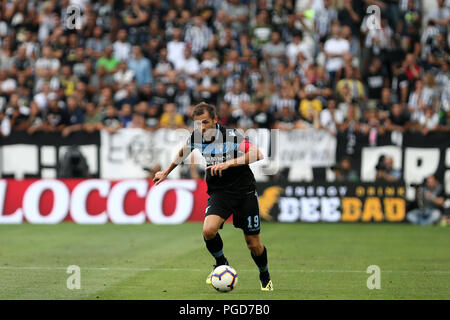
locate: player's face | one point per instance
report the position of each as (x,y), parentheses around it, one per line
(205,124)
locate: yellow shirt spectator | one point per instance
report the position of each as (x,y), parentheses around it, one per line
(171,120)
(306,104)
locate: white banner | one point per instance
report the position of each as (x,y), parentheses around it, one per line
(125,154)
(311,148)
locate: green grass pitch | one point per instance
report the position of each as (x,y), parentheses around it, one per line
(306,261)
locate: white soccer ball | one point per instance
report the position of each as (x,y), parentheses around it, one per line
(224,278)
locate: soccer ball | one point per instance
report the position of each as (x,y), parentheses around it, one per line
(224,278)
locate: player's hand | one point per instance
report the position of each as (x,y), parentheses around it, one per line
(218,168)
(159,177)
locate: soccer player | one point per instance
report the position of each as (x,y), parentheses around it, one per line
(231,186)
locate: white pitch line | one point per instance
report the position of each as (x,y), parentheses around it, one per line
(203,270)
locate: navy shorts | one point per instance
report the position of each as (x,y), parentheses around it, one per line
(245,210)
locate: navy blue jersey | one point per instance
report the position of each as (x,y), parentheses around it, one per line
(227,144)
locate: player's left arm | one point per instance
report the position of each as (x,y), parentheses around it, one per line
(251,154)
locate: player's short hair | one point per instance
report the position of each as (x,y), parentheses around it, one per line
(202,107)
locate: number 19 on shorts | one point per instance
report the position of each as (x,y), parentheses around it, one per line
(253,222)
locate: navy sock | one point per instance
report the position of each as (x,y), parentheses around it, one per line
(215,246)
(261,262)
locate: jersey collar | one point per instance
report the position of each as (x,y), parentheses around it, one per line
(215,136)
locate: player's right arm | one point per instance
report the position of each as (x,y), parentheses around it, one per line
(180,157)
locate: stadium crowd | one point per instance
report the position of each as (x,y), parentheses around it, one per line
(269,63)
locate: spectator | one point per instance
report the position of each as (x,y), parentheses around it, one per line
(175,47)
(344,172)
(96,45)
(141,67)
(163,66)
(126,115)
(189,67)
(262,117)
(236,14)
(430,200)
(17,113)
(152,117)
(184,98)
(121,47)
(198,36)
(335,48)
(376,78)
(74,117)
(323,19)
(350,15)
(372,125)
(92,118)
(441,16)
(170,118)
(355,86)
(274,51)
(386,171)
(331,118)
(107,65)
(310,102)
(262,30)
(236,96)
(208,86)
(398,119)
(110,121)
